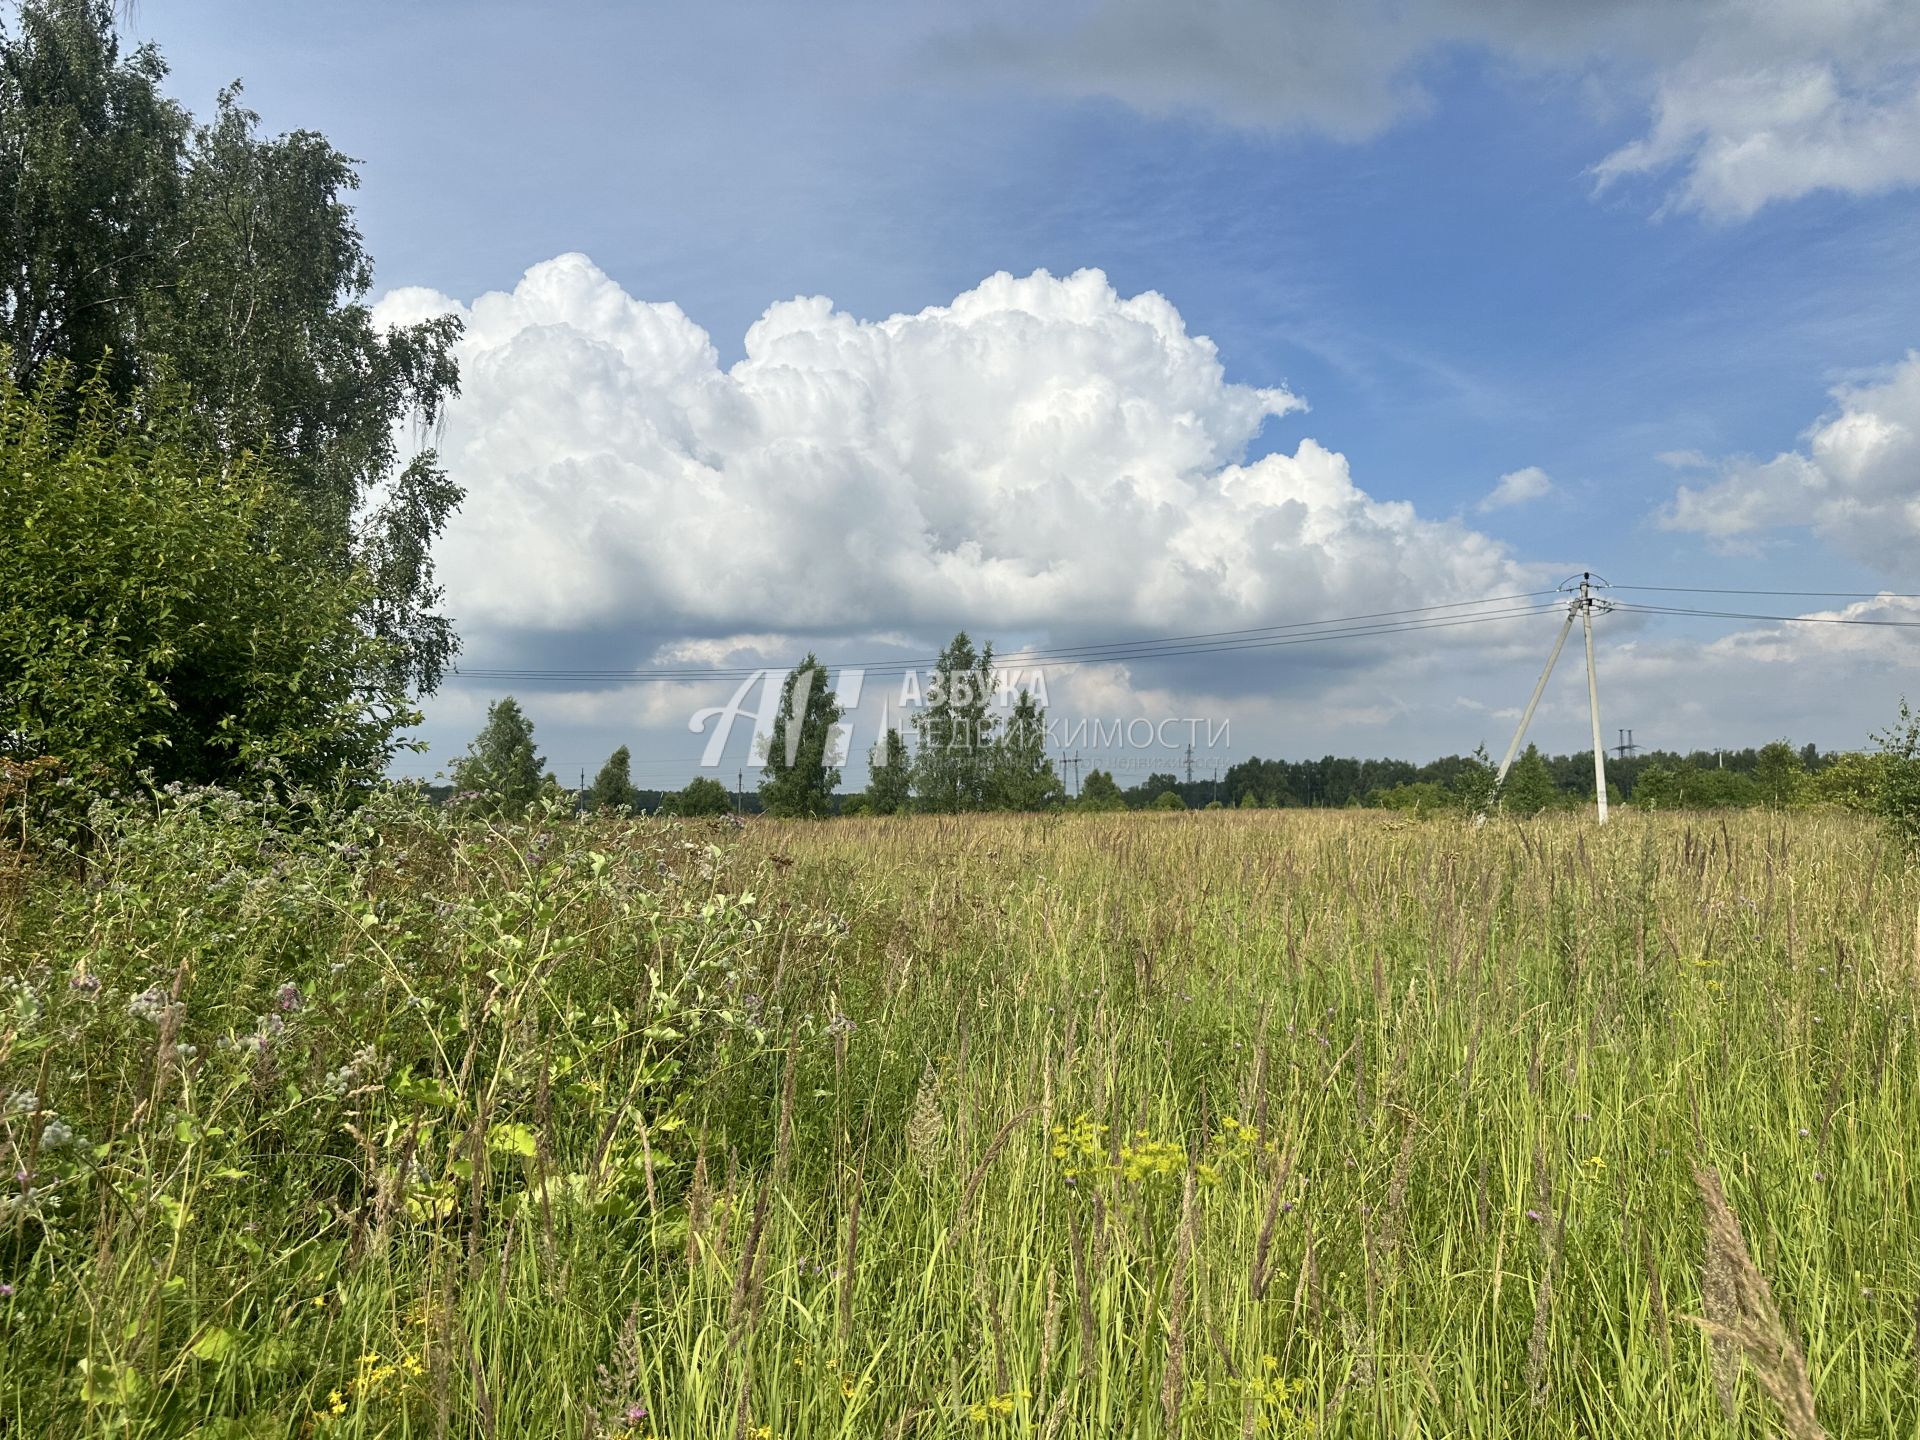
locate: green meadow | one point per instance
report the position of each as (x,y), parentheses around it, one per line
(1226,1124)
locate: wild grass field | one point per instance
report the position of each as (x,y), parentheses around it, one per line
(1218,1124)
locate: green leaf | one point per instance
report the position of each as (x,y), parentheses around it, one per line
(426,1090)
(215,1345)
(106,1384)
(514,1139)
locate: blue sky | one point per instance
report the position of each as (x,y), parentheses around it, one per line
(1401,223)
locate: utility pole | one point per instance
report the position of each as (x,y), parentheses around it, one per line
(1582,605)
(1586,603)
(740,792)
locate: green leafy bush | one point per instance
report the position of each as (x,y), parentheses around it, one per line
(1896,799)
(163,613)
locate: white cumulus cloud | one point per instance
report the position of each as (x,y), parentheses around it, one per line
(1811,679)
(1040,457)
(1855,483)
(1517,487)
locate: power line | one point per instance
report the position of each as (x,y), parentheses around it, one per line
(1062,658)
(1046,657)
(1782,619)
(1817,594)
(1394,621)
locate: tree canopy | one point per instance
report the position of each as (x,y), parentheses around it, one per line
(953,766)
(1100,793)
(1529,786)
(501,772)
(612,788)
(889,776)
(797,773)
(146,249)
(704,795)
(1022,776)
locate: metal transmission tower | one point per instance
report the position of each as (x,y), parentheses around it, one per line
(1626,749)
(1189,762)
(1582,606)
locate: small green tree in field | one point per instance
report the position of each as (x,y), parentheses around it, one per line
(1780,774)
(1897,800)
(704,795)
(1022,776)
(1473,786)
(889,776)
(1100,793)
(1529,788)
(1422,797)
(501,773)
(953,766)
(797,777)
(612,788)
(1168,800)
(1658,788)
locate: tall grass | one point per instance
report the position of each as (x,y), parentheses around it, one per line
(1278,1124)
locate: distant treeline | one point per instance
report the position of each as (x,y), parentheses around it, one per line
(1769,774)
(1777,773)
(967,759)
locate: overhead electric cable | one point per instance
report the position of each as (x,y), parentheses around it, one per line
(1630,606)
(1422,617)
(1815,594)
(1025,663)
